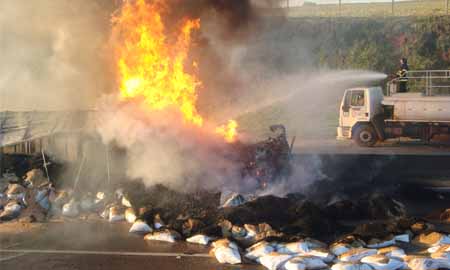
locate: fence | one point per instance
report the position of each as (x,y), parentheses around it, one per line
(353,8)
(428,82)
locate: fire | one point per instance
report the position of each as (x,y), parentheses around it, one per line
(228,131)
(151,65)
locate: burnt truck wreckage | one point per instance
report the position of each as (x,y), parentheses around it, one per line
(31,184)
(267,161)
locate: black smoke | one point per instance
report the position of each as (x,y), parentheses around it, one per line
(236,17)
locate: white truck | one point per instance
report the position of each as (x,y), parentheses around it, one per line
(367,116)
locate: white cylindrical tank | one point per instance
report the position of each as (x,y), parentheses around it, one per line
(420,108)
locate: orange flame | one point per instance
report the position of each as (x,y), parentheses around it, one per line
(151,67)
(228,131)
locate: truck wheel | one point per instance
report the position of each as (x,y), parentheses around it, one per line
(365,136)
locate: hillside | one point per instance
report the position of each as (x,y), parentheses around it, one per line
(293,47)
(413,8)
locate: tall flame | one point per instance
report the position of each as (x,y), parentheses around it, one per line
(151,67)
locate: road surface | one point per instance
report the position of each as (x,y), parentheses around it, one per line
(391,147)
(98,245)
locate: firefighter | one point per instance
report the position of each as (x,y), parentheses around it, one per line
(402,76)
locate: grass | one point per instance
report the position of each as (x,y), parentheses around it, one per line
(319,123)
(412,8)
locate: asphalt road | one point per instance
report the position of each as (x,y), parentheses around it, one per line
(112,262)
(390,147)
(99,245)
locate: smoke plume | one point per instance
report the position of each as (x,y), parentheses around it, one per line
(260,83)
(53,54)
(56,56)
(162,151)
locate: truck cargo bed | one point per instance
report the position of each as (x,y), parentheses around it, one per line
(415,107)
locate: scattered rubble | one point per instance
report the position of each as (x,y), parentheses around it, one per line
(165,235)
(140,227)
(432,239)
(392,252)
(426,263)
(231,199)
(310,262)
(445,216)
(10,211)
(199,239)
(158,222)
(350,266)
(226,251)
(259,250)
(274,260)
(279,233)
(70,209)
(130,215)
(382,262)
(87,203)
(373,206)
(116,214)
(356,254)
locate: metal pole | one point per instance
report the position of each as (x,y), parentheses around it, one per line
(79,172)
(45,164)
(108,170)
(340,5)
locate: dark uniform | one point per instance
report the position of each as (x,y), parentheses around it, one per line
(402,76)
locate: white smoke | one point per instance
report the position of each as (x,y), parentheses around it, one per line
(161,149)
(53,54)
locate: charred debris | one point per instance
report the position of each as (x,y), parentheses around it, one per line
(290,232)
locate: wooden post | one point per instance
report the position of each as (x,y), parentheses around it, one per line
(393,7)
(2,121)
(1,162)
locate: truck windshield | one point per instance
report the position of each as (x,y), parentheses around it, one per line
(357,98)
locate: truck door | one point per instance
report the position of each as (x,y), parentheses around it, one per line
(354,108)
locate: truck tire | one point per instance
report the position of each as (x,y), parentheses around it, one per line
(365,135)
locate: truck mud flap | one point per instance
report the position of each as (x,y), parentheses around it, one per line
(378,124)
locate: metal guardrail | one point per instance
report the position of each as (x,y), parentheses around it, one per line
(428,82)
(17,127)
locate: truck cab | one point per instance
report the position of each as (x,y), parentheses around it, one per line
(360,107)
